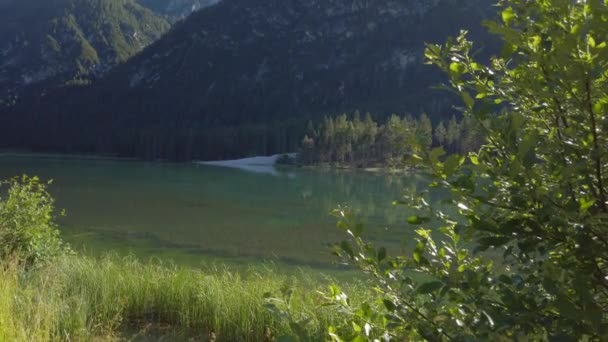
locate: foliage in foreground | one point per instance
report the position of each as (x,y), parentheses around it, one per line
(527,256)
(27,229)
(47,293)
(79,298)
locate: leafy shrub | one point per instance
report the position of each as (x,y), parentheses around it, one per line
(27,229)
(526,255)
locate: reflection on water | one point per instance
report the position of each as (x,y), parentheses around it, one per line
(262,164)
(195,211)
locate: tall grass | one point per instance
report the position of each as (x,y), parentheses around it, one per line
(23,315)
(81,298)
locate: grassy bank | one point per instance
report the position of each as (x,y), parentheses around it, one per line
(80,298)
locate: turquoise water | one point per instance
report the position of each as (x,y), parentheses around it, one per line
(189,212)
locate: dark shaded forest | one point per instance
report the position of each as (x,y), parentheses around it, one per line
(245,77)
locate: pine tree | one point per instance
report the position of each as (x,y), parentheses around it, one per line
(424,132)
(307,151)
(453,134)
(441,134)
(370,138)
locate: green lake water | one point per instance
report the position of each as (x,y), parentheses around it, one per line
(191,213)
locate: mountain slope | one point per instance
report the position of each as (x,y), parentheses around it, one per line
(244,76)
(55,41)
(176,8)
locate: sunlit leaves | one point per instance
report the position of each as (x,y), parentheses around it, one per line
(452,163)
(508,15)
(417,220)
(456,69)
(534,198)
(586,204)
(28,231)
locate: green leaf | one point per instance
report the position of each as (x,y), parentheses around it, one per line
(590,41)
(526,145)
(468,100)
(534,42)
(390,306)
(494,241)
(456,69)
(346,247)
(597,107)
(429,287)
(566,308)
(508,15)
(435,154)
(452,163)
(474,159)
(415,219)
(358,229)
(417,256)
(585,204)
(381,254)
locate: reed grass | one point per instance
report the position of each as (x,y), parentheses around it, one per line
(81,298)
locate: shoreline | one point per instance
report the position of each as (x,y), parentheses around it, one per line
(371,169)
(256,163)
(25,153)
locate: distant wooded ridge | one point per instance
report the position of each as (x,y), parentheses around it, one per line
(241,78)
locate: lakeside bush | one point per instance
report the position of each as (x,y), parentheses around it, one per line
(526,258)
(27,228)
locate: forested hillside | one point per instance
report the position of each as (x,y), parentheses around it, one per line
(244,77)
(53,43)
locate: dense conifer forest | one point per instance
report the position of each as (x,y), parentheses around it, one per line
(362,142)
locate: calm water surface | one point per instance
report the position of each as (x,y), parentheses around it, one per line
(190,212)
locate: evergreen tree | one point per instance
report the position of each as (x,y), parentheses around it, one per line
(453,134)
(441,134)
(369,139)
(307,151)
(424,132)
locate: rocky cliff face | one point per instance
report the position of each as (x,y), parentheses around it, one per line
(58,41)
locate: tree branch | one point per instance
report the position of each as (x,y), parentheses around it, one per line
(596,147)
